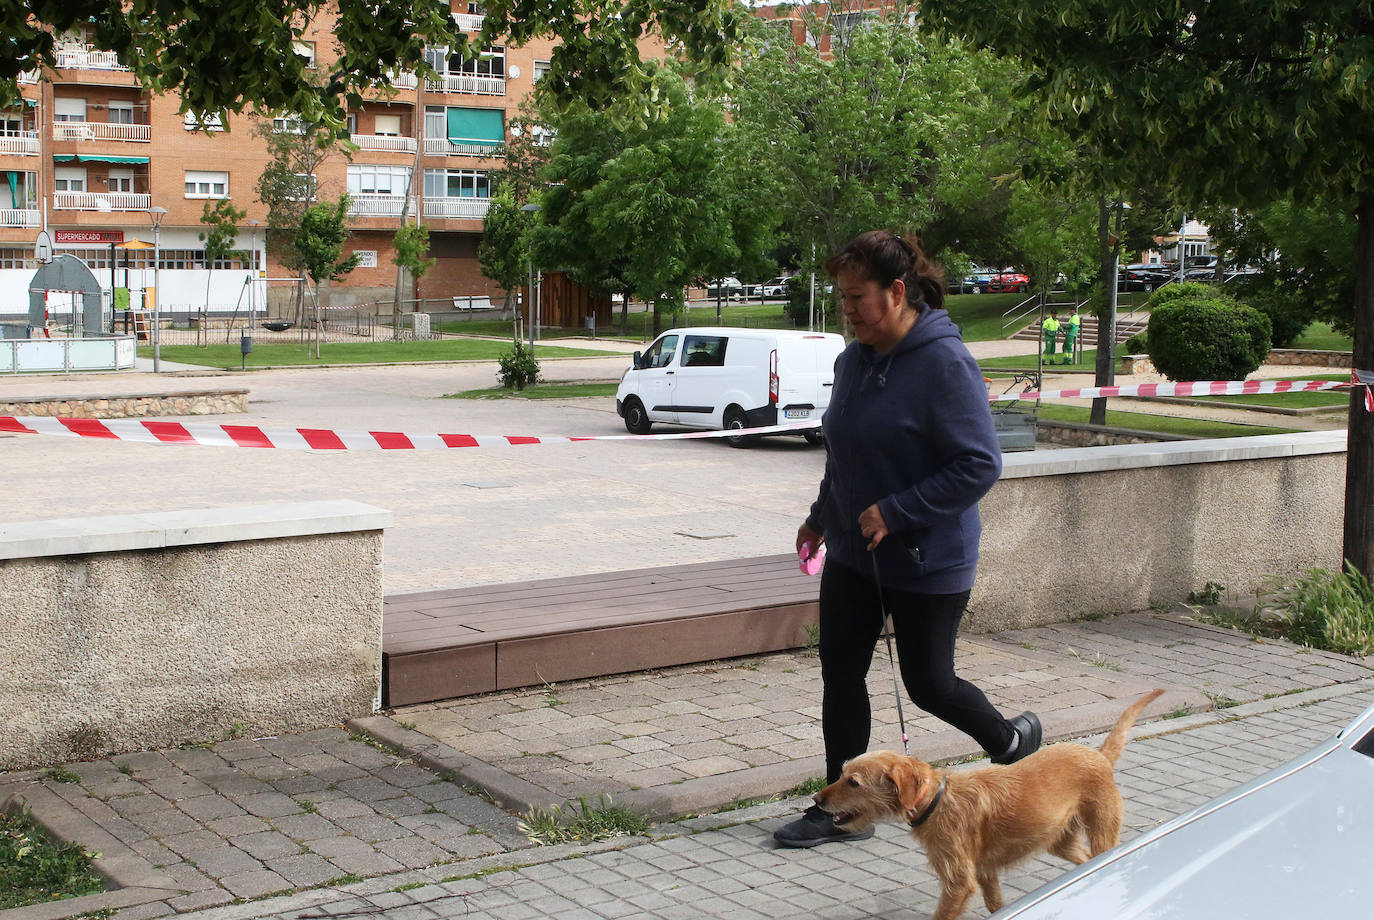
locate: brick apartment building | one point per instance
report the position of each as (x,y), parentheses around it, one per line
(96,152)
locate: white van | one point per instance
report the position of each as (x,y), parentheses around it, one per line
(727,377)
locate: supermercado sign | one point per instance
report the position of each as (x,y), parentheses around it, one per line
(88,236)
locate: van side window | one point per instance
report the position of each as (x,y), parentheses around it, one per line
(660,354)
(704,351)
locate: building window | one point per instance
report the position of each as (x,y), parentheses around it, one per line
(457,183)
(121,180)
(388,125)
(351,122)
(69,109)
(476,9)
(304,188)
(490,63)
(121,113)
(305,50)
(288,124)
(437,58)
(11,124)
(541,68)
(378,180)
(69,178)
(210,121)
(200,184)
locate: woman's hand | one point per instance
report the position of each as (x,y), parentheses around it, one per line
(872,525)
(807,535)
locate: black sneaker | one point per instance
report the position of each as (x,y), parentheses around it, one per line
(814,827)
(1028,733)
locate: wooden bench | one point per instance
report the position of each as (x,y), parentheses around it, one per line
(443,644)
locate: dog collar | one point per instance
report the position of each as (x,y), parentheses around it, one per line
(934,801)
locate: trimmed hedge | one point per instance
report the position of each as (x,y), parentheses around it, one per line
(1206,335)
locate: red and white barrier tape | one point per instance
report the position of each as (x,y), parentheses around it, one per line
(154,432)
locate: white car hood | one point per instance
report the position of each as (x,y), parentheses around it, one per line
(1295,843)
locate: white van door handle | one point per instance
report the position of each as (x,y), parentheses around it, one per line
(670,372)
(828,383)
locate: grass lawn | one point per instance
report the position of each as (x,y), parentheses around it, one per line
(1322,337)
(1165,424)
(33,870)
(267,355)
(540,391)
(1027,362)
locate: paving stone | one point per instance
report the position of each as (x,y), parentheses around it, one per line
(239,825)
(209,807)
(304,870)
(226,861)
(193,844)
(305,827)
(267,845)
(255,884)
(199,900)
(413,853)
(176,788)
(166,822)
(270,805)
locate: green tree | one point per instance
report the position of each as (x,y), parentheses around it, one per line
(1235,103)
(504,249)
(319,244)
(254,63)
(874,133)
(219,236)
(635,199)
(410,255)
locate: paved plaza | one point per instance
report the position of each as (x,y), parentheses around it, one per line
(415,813)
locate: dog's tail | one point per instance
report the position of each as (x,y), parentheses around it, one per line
(1116,738)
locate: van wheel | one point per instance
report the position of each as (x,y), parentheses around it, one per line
(814,437)
(734,419)
(636,419)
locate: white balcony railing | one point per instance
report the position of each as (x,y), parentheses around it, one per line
(463,208)
(100,131)
(467,83)
(29,76)
(87,58)
(24,143)
(102,201)
(443,147)
(18,217)
(365,205)
(468,22)
(384,142)
(403,80)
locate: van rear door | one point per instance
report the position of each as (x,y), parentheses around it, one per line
(806,375)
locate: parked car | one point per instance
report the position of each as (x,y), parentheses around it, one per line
(1143,276)
(768,290)
(728,287)
(1294,842)
(1008,283)
(726,377)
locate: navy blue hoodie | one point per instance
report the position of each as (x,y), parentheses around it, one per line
(912,431)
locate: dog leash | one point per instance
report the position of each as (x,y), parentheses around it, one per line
(891,659)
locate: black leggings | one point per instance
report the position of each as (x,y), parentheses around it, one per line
(925,627)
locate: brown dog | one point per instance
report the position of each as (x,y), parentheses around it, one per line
(972,824)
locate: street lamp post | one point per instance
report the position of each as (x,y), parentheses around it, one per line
(253,274)
(531,208)
(156,214)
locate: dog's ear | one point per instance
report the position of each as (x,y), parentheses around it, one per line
(903,775)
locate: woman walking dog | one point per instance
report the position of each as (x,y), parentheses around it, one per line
(910,449)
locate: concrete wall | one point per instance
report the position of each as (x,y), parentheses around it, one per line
(132,632)
(1073,533)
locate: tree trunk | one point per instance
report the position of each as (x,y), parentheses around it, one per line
(1359,459)
(1105,365)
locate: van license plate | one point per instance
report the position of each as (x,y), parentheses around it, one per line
(796,413)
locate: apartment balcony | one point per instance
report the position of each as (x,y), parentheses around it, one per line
(19,217)
(29,76)
(87,58)
(366,205)
(102,201)
(459,208)
(443,147)
(384,142)
(468,22)
(466,83)
(23,143)
(101,131)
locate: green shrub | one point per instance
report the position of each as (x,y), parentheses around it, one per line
(1328,610)
(1136,344)
(518,367)
(1187,290)
(1288,308)
(1205,335)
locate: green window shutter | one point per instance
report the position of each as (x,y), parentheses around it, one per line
(476,126)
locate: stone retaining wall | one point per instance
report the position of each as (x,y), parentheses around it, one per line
(199,402)
(1079,533)
(135,632)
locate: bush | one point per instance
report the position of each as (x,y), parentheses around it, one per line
(1288,308)
(518,367)
(1328,610)
(1136,344)
(1187,290)
(1205,335)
